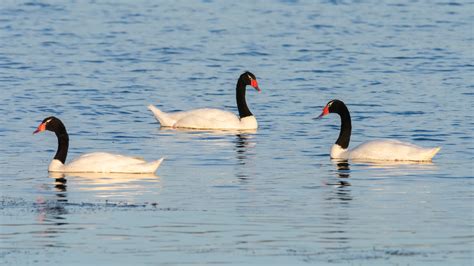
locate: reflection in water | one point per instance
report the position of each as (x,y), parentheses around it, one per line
(398,168)
(342,172)
(122,186)
(338,234)
(243,146)
(61,187)
(99,178)
(53,210)
(104,178)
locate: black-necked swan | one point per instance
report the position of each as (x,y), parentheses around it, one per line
(383,149)
(96,162)
(208,118)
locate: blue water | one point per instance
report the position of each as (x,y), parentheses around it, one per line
(404,68)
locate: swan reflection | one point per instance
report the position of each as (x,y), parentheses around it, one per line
(243,144)
(51,206)
(61,189)
(395,168)
(342,172)
(111,185)
(336,208)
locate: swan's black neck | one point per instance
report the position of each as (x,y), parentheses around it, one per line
(63,142)
(241,103)
(346,126)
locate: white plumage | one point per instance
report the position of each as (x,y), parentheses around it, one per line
(103,162)
(374,150)
(384,150)
(214,119)
(96,162)
(203,118)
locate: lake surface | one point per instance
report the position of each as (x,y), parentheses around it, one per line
(404,68)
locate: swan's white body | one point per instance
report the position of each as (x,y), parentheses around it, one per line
(204,118)
(384,150)
(102,162)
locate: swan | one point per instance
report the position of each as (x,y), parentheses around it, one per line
(208,118)
(381,149)
(96,162)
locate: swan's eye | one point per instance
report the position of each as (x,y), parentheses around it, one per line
(250,77)
(47,121)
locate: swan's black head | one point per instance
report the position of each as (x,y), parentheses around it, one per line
(249,79)
(334,106)
(338,107)
(52,124)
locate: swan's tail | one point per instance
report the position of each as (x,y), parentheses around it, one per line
(426,154)
(153,166)
(162,117)
(433,152)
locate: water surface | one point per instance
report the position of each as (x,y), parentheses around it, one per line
(269,197)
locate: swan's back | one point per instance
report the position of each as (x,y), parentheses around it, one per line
(207,118)
(204,118)
(392,150)
(103,162)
